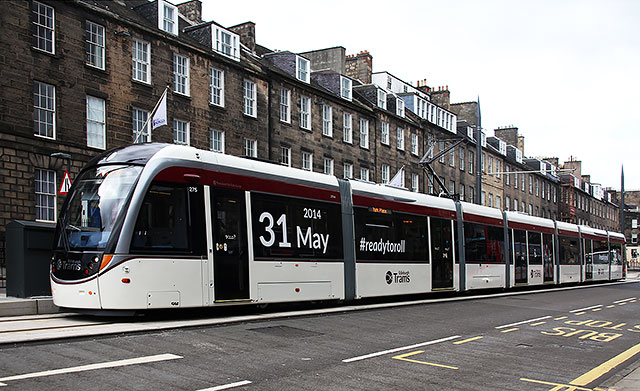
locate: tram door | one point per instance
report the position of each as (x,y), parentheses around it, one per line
(547,256)
(441,254)
(520,255)
(230,250)
(588,259)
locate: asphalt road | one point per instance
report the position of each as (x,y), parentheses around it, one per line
(527,342)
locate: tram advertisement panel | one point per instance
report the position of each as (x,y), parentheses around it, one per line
(287,228)
(389,236)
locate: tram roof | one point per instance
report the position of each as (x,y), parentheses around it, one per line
(529,220)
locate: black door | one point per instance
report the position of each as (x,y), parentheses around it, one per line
(520,255)
(588,260)
(230,254)
(547,256)
(441,254)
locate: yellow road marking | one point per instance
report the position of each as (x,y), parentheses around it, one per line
(565,387)
(537,324)
(606,366)
(610,306)
(467,340)
(510,330)
(580,313)
(633,301)
(403,357)
(622,303)
(596,309)
(560,318)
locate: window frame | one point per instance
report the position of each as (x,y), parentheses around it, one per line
(347,130)
(250,147)
(346,92)
(186,129)
(181,75)
(102,123)
(217,137)
(145,136)
(285,105)
(37,27)
(305,112)
(327,166)
(327,120)
(50,196)
(384,133)
(285,156)
(139,45)
(43,109)
(303,73)
(364,133)
(306,161)
(163,20)
(250,98)
(216,89)
(91,44)
(400,139)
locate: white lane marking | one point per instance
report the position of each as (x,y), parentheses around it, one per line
(102,365)
(371,355)
(623,300)
(227,386)
(586,308)
(524,321)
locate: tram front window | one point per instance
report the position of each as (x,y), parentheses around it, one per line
(94,206)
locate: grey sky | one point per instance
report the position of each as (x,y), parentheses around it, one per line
(564,72)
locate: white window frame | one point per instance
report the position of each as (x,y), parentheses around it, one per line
(364,174)
(305,112)
(94,45)
(384,173)
(414,144)
(471,162)
(96,123)
(307,161)
(634,223)
(400,107)
(364,133)
(141,67)
(327,166)
(216,86)
(382,98)
(43,27)
(217,143)
(285,105)
(225,42)
(462,153)
(250,101)
(181,74)
(327,120)
(163,20)
(303,69)
(415,183)
(45,195)
(400,139)
(250,147)
(181,132)
(347,126)
(140,117)
(44,107)
(384,132)
(346,88)
(348,171)
(285,156)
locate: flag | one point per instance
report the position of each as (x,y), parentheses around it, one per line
(398,178)
(160,115)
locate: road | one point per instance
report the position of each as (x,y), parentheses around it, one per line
(532,341)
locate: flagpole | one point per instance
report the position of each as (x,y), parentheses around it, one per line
(150,117)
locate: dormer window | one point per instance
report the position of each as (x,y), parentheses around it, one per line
(302,69)
(382,99)
(225,42)
(345,87)
(167,17)
(400,107)
(389,83)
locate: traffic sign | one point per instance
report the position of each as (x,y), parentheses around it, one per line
(66,183)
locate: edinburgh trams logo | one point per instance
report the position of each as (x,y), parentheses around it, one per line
(401,277)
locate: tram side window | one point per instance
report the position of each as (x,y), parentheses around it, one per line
(616,253)
(568,250)
(520,247)
(164,222)
(535,248)
(600,252)
(483,243)
(386,235)
(588,251)
(547,248)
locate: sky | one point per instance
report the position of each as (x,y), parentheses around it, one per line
(565,72)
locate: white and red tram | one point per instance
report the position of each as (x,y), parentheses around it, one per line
(164,226)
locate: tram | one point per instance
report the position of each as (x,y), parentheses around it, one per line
(165,226)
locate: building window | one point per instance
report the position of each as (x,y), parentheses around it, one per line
(95,122)
(249,88)
(452,187)
(285,156)
(530,210)
(429,183)
(307,161)
(216,87)
(634,223)
(141,53)
(507,202)
(515,179)
(43,27)
(524,207)
(400,107)
(634,238)
(497,168)
(384,136)
(180,74)
(522,182)
(347,126)
(530,184)
(462,192)
(250,147)
(471,156)
(414,144)
(44,110)
(384,172)
(141,126)
(168,18)
(94,44)
(327,165)
(538,187)
(440,149)
(45,183)
(181,133)
(285,105)
(498,201)
(472,194)
(364,174)
(382,99)
(364,133)
(302,69)
(461,162)
(305,113)
(452,158)
(348,171)
(217,140)
(345,87)
(482,197)
(483,168)
(507,175)
(415,183)
(400,138)
(327,121)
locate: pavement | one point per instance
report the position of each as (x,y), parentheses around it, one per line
(626,380)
